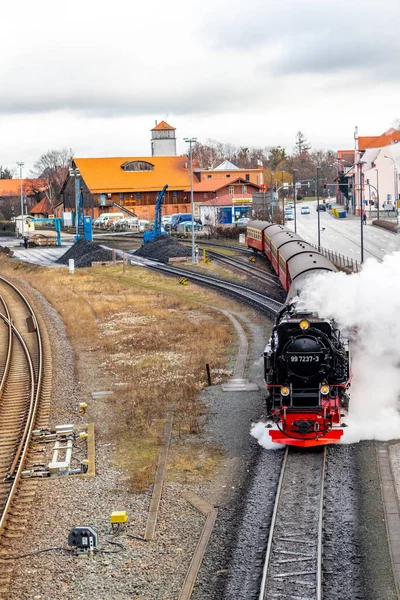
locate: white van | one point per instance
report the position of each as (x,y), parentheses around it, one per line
(106,219)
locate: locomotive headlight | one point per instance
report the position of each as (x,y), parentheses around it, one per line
(304,324)
(285,391)
(324,390)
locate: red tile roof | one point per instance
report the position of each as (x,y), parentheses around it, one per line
(12,187)
(163,125)
(217,183)
(42,207)
(391,136)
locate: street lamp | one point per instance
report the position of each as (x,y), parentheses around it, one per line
(272,217)
(75,173)
(294,197)
(283,202)
(395,191)
(191,141)
(377,190)
(20,165)
(318,215)
(360,174)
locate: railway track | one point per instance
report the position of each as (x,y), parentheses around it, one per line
(293,560)
(25,382)
(252,270)
(258,300)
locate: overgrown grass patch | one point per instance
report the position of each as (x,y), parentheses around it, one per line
(152,338)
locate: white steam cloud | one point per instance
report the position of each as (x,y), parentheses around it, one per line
(368,301)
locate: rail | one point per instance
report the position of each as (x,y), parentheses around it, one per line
(30,388)
(295,537)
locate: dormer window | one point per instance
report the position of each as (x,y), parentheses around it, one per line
(137,165)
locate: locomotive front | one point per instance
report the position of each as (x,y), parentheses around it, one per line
(307,375)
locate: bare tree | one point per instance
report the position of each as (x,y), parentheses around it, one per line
(52,167)
(6,173)
(302,145)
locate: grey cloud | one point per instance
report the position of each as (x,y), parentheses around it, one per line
(308,36)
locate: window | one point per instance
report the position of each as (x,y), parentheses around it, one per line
(228,175)
(247,176)
(103,199)
(175,197)
(244,189)
(208,176)
(205,195)
(137,196)
(137,165)
(121,197)
(231,189)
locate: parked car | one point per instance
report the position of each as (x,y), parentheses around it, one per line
(289,216)
(242,222)
(181,218)
(320,206)
(305,210)
(290,205)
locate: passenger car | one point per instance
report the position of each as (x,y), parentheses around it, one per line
(320,206)
(305,210)
(242,222)
(289,216)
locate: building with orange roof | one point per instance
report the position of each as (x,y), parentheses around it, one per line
(389,137)
(42,209)
(33,190)
(229,171)
(208,189)
(130,184)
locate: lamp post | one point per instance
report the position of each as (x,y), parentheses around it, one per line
(318,215)
(20,165)
(191,141)
(395,191)
(377,191)
(294,198)
(283,202)
(360,187)
(75,174)
(272,217)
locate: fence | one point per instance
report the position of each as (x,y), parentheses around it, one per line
(340,261)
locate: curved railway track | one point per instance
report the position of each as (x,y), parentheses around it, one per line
(24,405)
(293,561)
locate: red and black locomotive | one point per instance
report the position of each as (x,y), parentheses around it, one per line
(306,361)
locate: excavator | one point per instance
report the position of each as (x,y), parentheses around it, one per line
(157,227)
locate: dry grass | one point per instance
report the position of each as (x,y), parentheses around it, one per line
(152,338)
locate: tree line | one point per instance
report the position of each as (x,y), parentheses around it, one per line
(302,162)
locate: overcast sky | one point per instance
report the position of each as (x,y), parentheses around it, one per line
(94,76)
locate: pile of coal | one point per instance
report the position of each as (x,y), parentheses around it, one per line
(162,248)
(84,253)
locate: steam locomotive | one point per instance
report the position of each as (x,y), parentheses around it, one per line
(306,361)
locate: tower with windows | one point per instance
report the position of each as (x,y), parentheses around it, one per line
(163,140)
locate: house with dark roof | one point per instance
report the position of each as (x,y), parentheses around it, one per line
(33,190)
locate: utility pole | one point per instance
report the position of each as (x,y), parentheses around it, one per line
(191,141)
(294,197)
(318,215)
(20,165)
(283,202)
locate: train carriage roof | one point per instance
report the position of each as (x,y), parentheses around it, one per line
(276,228)
(261,225)
(281,238)
(307,263)
(295,247)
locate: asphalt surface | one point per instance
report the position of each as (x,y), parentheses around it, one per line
(343,235)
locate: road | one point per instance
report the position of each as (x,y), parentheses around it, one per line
(343,235)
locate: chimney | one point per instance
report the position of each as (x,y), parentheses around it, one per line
(156,122)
